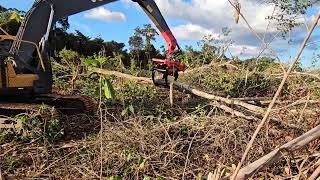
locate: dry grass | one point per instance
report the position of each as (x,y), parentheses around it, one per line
(190,146)
(188,140)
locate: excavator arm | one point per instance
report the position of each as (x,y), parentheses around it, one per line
(29,79)
(152,10)
(44,13)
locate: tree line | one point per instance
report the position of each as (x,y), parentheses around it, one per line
(141,48)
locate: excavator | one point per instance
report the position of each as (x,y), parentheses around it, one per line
(25,68)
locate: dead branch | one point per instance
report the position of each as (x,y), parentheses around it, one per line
(188,88)
(315,174)
(256,110)
(237,12)
(278,153)
(307,112)
(183,88)
(277,94)
(249,99)
(4,125)
(216,175)
(267,45)
(121,75)
(232,111)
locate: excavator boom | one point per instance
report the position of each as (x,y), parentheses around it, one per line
(44,13)
(38,23)
(25,70)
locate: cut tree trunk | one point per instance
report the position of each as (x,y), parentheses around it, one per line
(278,153)
(253,109)
(183,88)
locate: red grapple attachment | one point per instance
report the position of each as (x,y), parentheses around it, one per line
(167,68)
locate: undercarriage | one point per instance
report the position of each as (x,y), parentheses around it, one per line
(44,106)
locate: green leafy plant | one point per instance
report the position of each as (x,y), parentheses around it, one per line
(115,177)
(15,15)
(107,89)
(43,123)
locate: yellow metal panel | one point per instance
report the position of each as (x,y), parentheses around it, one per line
(19,80)
(25,80)
(11,73)
(0,79)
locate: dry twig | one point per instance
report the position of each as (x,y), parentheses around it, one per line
(256,110)
(187,158)
(315,174)
(237,12)
(232,111)
(266,116)
(185,88)
(276,154)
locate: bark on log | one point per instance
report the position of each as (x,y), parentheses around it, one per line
(278,153)
(121,75)
(232,111)
(315,174)
(228,101)
(186,88)
(183,88)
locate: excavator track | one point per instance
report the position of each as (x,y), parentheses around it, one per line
(55,106)
(8,111)
(69,105)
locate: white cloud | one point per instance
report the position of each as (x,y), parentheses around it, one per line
(248,51)
(217,14)
(191,32)
(244,50)
(128,2)
(199,17)
(202,17)
(104,14)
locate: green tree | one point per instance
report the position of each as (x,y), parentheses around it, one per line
(136,44)
(64,23)
(287,12)
(2,9)
(208,50)
(10,19)
(149,34)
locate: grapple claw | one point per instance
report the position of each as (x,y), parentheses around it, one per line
(167,68)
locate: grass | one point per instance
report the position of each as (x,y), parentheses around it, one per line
(144,137)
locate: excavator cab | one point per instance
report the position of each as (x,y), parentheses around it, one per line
(11,82)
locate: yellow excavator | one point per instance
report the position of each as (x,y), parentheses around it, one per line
(25,67)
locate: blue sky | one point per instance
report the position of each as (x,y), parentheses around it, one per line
(108,30)
(112,30)
(190,20)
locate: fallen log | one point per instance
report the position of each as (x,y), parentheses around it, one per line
(121,75)
(256,110)
(188,88)
(278,153)
(183,88)
(231,111)
(315,174)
